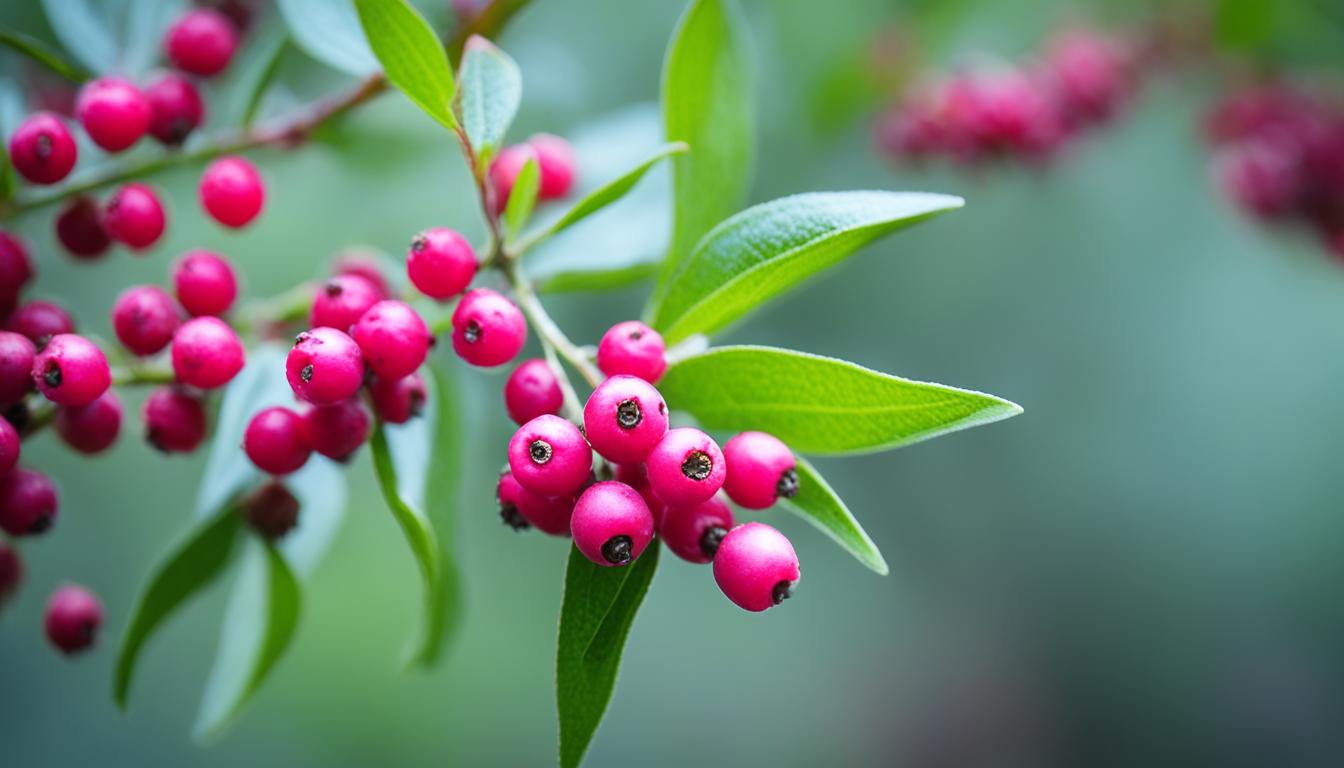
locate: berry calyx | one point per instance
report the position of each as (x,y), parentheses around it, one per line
(634,349)
(28,502)
(42,149)
(440,263)
(204,283)
(549,456)
(232,191)
(73,618)
(532,390)
(761,469)
(174,420)
(79,227)
(686,467)
(555,160)
(134,216)
(175,109)
(488,329)
(393,338)
(520,508)
(274,441)
(342,300)
(91,428)
(207,353)
(271,510)
(611,524)
(336,431)
(145,319)
(201,42)
(756,567)
(16,366)
(40,320)
(113,112)
(71,370)
(397,401)
(695,533)
(10,447)
(624,419)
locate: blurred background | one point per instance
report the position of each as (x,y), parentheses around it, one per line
(1142,569)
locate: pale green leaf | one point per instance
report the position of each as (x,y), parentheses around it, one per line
(43,54)
(491,87)
(85,33)
(329,31)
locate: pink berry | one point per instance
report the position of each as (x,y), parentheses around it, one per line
(686,467)
(488,329)
(393,338)
(504,171)
(555,160)
(145,319)
(79,227)
(342,300)
(40,320)
(632,348)
(549,456)
(325,366)
(16,367)
(206,353)
(336,431)
(27,502)
(71,370)
(532,390)
(611,524)
(361,263)
(637,477)
(11,571)
(761,468)
(174,420)
(272,510)
(201,42)
(73,618)
(113,112)
(624,419)
(440,263)
(10,447)
(232,191)
(42,149)
(694,533)
(134,216)
(274,441)
(16,270)
(91,428)
(396,401)
(204,283)
(520,508)
(175,109)
(756,567)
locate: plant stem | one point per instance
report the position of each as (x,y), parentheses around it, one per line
(545,327)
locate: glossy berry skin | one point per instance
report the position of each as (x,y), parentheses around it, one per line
(79,227)
(91,428)
(27,502)
(393,338)
(16,366)
(174,420)
(635,476)
(686,467)
(336,431)
(232,191)
(16,270)
(694,533)
(175,109)
(440,263)
(634,349)
(488,329)
(549,456)
(532,390)
(325,366)
(360,263)
(114,113)
(397,401)
(756,567)
(520,508)
(145,318)
(40,320)
(611,524)
(206,353)
(71,371)
(201,42)
(504,171)
(555,160)
(761,468)
(274,441)
(205,283)
(624,419)
(342,300)
(73,618)
(272,510)
(134,216)
(11,571)
(42,149)
(10,447)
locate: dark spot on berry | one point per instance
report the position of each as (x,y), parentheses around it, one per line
(178,131)
(43,146)
(332,289)
(540,451)
(472,332)
(513,518)
(52,376)
(419,243)
(40,525)
(662,407)
(710,540)
(617,550)
(307,373)
(697,465)
(417,403)
(302,337)
(628,415)
(636,335)
(782,591)
(86,631)
(787,487)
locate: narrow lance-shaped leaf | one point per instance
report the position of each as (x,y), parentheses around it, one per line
(522,198)
(143,28)
(595,617)
(329,31)
(43,54)
(83,32)
(491,87)
(443,479)
(412,56)
(611,191)
(820,405)
(818,503)
(769,248)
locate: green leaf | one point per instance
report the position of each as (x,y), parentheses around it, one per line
(412,56)
(820,405)
(43,54)
(707,103)
(329,31)
(595,616)
(769,248)
(817,503)
(240,90)
(491,89)
(84,33)
(595,279)
(522,198)
(189,567)
(442,483)
(146,22)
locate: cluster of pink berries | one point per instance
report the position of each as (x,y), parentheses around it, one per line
(555,161)
(1280,157)
(1028,111)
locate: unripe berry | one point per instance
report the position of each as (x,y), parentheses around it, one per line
(520,508)
(274,441)
(204,283)
(174,420)
(694,533)
(71,370)
(10,447)
(16,269)
(42,149)
(79,227)
(632,348)
(201,42)
(532,390)
(134,216)
(393,338)
(145,319)
(611,524)
(91,428)
(555,160)
(440,263)
(27,502)
(206,353)
(761,468)
(756,567)
(113,112)
(637,477)
(336,431)
(73,618)
(397,401)
(549,456)
(488,329)
(40,320)
(16,366)
(11,571)
(686,467)
(175,109)
(232,191)
(271,510)
(342,300)
(504,171)
(624,419)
